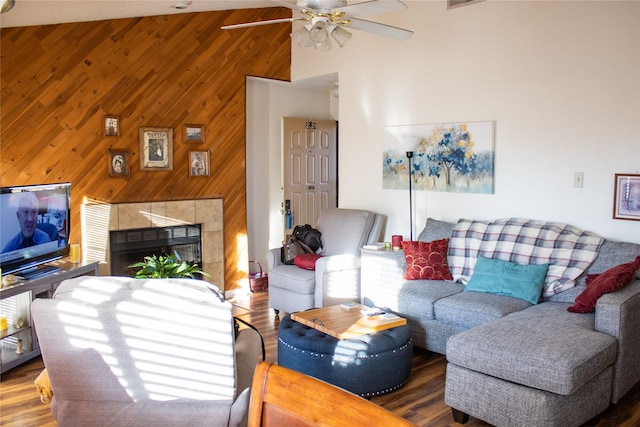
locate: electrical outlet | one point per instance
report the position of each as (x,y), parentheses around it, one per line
(578,179)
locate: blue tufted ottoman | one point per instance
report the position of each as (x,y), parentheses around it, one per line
(368,365)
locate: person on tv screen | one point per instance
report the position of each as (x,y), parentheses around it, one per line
(29,234)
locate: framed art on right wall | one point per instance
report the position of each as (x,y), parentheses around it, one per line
(626,199)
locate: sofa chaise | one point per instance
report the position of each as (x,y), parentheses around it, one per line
(546,361)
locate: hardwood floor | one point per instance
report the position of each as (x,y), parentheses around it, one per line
(421,400)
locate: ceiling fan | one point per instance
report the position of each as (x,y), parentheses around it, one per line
(331,17)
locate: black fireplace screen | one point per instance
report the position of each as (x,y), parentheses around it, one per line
(131,246)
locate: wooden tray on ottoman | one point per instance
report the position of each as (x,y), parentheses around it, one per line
(344,324)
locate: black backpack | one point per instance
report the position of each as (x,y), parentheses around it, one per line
(309,236)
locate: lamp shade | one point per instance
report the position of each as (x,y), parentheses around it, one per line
(341,36)
(318,33)
(300,36)
(409,142)
(324,46)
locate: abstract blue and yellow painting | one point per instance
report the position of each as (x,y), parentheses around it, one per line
(455,157)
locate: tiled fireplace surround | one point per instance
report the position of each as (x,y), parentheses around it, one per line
(99,218)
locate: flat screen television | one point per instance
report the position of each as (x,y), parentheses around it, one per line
(34,227)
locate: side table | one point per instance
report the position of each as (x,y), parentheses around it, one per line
(16,304)
(382,277)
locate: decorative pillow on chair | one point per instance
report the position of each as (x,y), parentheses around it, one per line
(306,261)
(499,277)
(611,280)
(427,260)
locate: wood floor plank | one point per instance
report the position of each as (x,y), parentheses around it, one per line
(420,401)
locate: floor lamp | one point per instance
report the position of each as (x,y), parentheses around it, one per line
(409,143)
(410,157)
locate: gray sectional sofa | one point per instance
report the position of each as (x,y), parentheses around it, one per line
(511,362)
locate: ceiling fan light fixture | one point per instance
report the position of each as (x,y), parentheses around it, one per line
(341,36)
(318,33)
(324,45)
(301,37)
(324,16)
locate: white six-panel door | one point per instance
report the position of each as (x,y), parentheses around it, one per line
(310,167)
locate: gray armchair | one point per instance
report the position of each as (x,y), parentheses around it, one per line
(336,278)
(156,352)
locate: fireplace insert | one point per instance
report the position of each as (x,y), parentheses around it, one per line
(131,246)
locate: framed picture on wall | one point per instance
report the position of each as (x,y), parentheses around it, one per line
(626,199)
(119,165)
(156,149)
(194,133)
(111,125)
(199,163)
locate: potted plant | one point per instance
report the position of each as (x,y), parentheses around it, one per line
(165,266)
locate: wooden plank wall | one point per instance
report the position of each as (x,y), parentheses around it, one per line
(58,81)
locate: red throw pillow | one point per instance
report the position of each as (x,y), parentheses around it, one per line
(599,284)
(306,261)
(427,260)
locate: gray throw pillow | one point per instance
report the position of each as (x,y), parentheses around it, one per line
(436,230)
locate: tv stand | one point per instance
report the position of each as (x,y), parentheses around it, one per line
(18,306)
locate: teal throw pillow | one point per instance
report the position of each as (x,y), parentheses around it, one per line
(508,278)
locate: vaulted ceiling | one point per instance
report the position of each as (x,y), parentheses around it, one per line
(44,12)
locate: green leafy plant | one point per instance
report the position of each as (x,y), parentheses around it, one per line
(165,266)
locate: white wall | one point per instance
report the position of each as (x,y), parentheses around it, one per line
(267,103)
(560,79)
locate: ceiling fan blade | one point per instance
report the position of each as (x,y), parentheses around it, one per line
(379,29)
(373,7)
(255,24)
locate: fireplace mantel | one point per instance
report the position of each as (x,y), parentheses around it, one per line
(98,218)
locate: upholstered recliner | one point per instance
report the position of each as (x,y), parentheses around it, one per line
(336,278)
(157,352)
